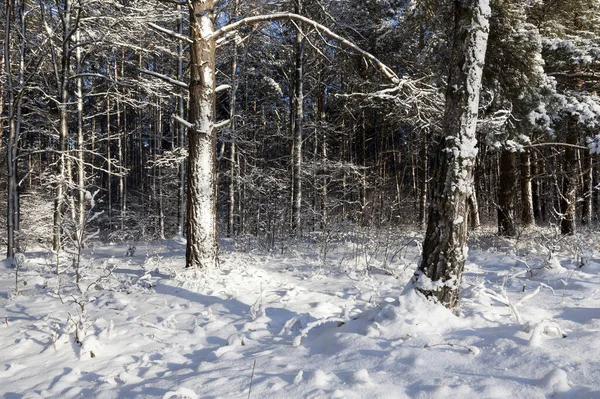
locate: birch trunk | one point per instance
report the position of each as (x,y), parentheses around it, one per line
(201,249)
(80,159)
(527,215)
(536,189)
(445,250)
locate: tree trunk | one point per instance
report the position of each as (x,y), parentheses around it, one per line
(231,205)
(506,194)
(13,134)
(321,120)
(297,126)
(538,214)
(201,226)
(569,189)
(527,215)
(181,129)
(586,205)
(423,180)
(80,158)
(474,221)
(444,249)
(63,128)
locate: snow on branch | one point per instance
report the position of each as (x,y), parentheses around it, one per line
(169,32)
(223,123)
(164,77)
(221,88)
(384,69)
(182,121)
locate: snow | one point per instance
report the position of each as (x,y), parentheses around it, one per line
(290,326)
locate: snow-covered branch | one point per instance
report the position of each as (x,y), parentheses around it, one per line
(164,77)
(384,69)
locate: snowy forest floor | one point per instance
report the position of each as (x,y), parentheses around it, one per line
(287,323)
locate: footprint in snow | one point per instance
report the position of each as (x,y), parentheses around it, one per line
(11,369)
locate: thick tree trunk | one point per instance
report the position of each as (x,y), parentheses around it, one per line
(201,226)
(569,189)
(527,214)
(506,194)
(445,250)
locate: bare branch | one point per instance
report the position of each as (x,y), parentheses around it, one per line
(223,123)
(577,147)
(384,69)
(221,88)
(179,3)
(182,121)
(169,32)
(164,77)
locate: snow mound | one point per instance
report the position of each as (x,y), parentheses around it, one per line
(181,393)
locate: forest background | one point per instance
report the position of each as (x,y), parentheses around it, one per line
(310,134)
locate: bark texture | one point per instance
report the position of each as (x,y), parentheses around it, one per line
(444,249)
(201,229)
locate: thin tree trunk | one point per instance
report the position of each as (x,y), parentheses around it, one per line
(109,160)
(80,158)
(536,189)
(444,249)
(181,112)
(63,128)
(11,209)
(474,220)
(586,206)
(527,215)
(423,186)
(159,172)
(569,189)
(506,194)
(233,167)
(297,126)
(120,155)
(324,176)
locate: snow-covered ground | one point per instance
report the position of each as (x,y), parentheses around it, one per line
(286,324)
